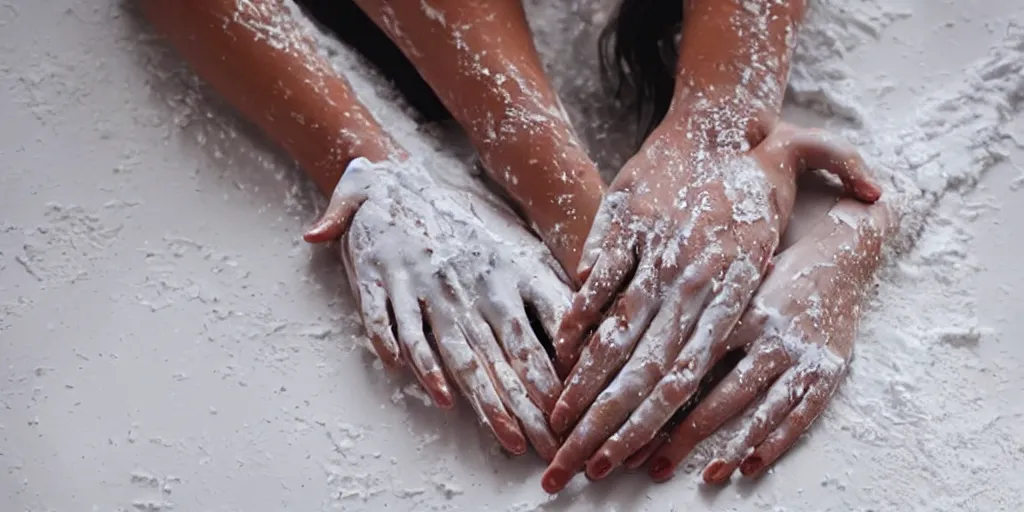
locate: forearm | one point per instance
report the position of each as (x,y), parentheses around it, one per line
(256,56)
(734,58)
(480,60)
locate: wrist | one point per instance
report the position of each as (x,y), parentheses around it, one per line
(335,142)
(554,184)
(715,119)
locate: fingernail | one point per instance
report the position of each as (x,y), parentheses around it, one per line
(314,232)
(519,446)
(870,191)
(717,472)
(554,480)
(661,469)
(443,397)
(751,465)
(516,443)
(600,467)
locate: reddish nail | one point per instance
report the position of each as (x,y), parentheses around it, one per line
(751,465)
(314,233)
(443,397)
(554,480)
(869,192)
(600,468)
(717,472)
(515,442)
(661,469)
(437,388)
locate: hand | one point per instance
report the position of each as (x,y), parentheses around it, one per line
(798,336)
(679,246)
(441,293)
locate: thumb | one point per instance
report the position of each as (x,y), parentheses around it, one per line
(807,149)
(345,201)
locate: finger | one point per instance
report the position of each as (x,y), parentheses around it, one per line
(807,149)
(513,392)
(730,397)
(607,351)
(644,454)
(606,410)
(550,299)
(706,345)
(646,366)
(376,314)
(348,195)
(602,229)
(781,398)
(785,436)
(467,368)
(525,354)
(612,271)
(415,349)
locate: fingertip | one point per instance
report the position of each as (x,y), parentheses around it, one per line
(443,396)
(327,228)
(317,233)
(518,446)
(752,465)
(661,469)
(554,479)
(599,466)
(717,472)
(869,192)
(391,363)
(510,436)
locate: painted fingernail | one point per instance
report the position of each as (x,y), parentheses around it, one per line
(600,467)
(751,465)
(554,480)
(661,469)
(443,397)
(514,440)
(717,472)
(869,191)
(314,232)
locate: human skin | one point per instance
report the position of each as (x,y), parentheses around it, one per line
(422,264)
(480,60)
(553,184)
(798,336)
(260,61)
(685,235)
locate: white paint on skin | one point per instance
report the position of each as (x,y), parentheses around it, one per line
(75,335)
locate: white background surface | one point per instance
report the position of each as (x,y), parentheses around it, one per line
(167,342)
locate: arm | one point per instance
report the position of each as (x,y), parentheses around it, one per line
(256,56)
(735,54)
(480,60)
(685,235)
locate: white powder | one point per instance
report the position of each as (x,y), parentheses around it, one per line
(912,427)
